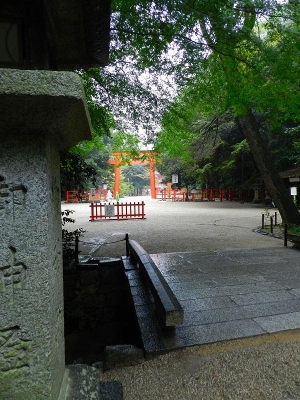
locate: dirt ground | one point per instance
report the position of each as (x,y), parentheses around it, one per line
(174,227)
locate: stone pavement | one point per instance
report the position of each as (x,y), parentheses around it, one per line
(225,295)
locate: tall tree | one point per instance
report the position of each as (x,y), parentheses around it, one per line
(245,53)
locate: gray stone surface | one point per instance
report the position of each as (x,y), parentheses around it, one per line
(281,322)
(112,390)
(31,323)
(82,383)
(167,307)
(122,355)
(44,102)
(227,300)
(266,297)
(41,112)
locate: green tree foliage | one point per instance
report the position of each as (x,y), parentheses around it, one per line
(219,156)
(98,159)
(226,57)
(284,143)
(80,166)
(76,174)
(135,177)
(135,98)
(85,166)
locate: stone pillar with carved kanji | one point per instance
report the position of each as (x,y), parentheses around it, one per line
(41,113)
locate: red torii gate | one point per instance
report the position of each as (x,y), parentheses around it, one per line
(147,157)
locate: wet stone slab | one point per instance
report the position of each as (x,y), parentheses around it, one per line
(210,333)
(273,308)
(265,297)
(191,293)
(225,295)
(275,323)
(213,316)
(210,303)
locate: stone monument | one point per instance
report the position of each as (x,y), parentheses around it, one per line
(41,112)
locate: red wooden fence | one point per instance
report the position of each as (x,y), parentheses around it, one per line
(117,211)
(203,194)
(75,196)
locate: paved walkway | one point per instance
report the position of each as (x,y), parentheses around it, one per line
(225,295)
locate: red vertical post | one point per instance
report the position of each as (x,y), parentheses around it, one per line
(92,212)
(117,180)
(117,206)
(152,180)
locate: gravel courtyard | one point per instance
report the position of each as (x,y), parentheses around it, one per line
(174,226)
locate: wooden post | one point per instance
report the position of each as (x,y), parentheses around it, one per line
(285,234)
(76,251)
(271,222)
(127,245)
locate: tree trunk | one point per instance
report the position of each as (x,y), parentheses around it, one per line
(274,184)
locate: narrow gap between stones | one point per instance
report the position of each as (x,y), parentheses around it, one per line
(99,311)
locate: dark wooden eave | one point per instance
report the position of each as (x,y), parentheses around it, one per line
(81,29)
(61,34)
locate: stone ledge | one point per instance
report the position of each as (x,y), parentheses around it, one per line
(121,356)
(168,308)
(44,102)
(81,382)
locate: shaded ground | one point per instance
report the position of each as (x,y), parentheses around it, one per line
(175,226)
(265,367)
(262,368)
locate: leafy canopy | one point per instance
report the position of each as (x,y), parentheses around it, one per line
(227,53)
